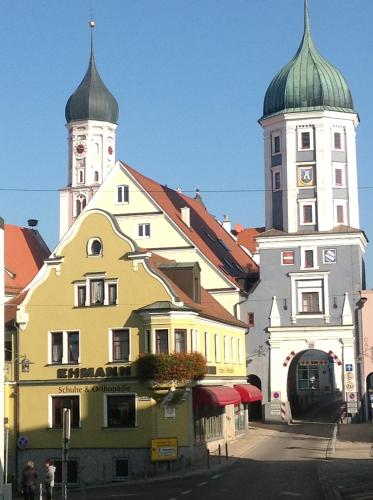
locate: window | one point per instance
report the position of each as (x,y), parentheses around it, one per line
(120,344)
(61,402)
(287,257)
(340,214)
(147,341)
(96,292)
(96,176)
(180,340)
(80,204)
(217,348)
(64,347)
(94,246)
(72,471)
(112,289)
(208,423)
(276,179)
(310,302)
(338,177)
(143,230)
(307,211)
(207,346)
(239,350)
(82,295)
(161,341)
(308,258)
(276,144)
(121,410)
(195,344)
(337,140)
(8,350)
(120,468)
(233,352)
(250,319)
(308,377)
(80,176)
(225,349)
(305,140)
(122,194)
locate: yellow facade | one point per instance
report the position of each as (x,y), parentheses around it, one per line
(54,324)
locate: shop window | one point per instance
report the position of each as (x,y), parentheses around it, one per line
(120,342)
(239,418)
(161,341)
(143,230)
(122,194)
(208,423)
(72,471)
(121,411)
(120,469)
(58,405)
(64,347)
(287,257)
(180,340)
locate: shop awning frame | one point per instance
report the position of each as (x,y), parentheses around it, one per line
(249,393)
(218,395)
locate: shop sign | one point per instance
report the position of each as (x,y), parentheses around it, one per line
(275,408)
(108,371)
(164,449)
(80,389)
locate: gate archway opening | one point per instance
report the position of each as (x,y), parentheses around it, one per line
(255,409)
(311,386)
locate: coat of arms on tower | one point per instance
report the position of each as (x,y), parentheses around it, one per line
(306,175)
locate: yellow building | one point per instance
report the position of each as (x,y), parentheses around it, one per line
(98,303)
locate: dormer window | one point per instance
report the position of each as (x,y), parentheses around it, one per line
(95,247)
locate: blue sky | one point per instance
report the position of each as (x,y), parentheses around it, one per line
(190,78)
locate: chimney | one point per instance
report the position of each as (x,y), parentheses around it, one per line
(185,215)
(32,222)
(227,224)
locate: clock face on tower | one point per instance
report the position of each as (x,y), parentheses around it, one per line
(80,149)
(330,256)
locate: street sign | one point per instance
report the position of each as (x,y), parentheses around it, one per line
(350,386)
(164,449)
(276,396)
(349,367)
(22,442)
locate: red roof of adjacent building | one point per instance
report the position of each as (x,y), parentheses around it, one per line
(246,236)
(205,232)
(24,254)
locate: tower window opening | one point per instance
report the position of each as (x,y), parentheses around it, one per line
(340,214)
(276,181)
(307,214)
(276,144)
(338,177)
(81,176)
(80,204)
(337,140)
(305,140)
(96,176)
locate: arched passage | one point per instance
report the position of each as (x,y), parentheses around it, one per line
(311,385)
(369,389)
(255,409)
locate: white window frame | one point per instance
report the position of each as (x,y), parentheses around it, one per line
(121,188)
(105,396)
(342,203)
(226,359)
(65,355)
(110,349)
(309,282)
(89,247)
(50,408)
(233,351)
(342,167)
(273,136)
(143,225)
(276,171)
(195,339)
(301,204)
(303,258)
(301,130)
(87,282)
(341,132)
(207,347)
(217,348)
(282,258)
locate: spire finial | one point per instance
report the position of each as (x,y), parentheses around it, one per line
(92,25)
(306,18)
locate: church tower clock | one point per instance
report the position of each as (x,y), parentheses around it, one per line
(91,118)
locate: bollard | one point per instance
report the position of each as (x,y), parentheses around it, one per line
(219,455)
(226,451)
(208,458)
(41,491)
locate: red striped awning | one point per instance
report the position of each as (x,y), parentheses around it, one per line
(220,395)
(249,393)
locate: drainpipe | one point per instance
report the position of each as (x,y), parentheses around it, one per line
(16,394)
(360,359)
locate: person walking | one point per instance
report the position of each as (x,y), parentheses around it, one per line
(49,478)
(29,476)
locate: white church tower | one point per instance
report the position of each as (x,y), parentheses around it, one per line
(91,117)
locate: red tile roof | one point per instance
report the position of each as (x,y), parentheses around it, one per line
(246,236)
(11,308)
(208,307)
(25,251)
(205,232)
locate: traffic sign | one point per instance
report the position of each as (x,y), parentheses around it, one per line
(22,442)
(276,396)
(349,367)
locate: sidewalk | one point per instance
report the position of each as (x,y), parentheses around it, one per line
(348,472)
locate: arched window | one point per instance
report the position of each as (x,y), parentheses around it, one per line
(81,176)
(96,176)
(94,246)
(80,204)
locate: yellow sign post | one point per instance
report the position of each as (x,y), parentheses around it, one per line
(164,449)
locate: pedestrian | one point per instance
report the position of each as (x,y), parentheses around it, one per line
(49,478)
(29,476)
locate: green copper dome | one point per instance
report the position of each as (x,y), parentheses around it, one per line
(92,100)
(307,83)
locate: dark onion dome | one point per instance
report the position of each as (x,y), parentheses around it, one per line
(307,83)
(92,100)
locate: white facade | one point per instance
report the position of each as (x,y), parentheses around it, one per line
(91,156)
